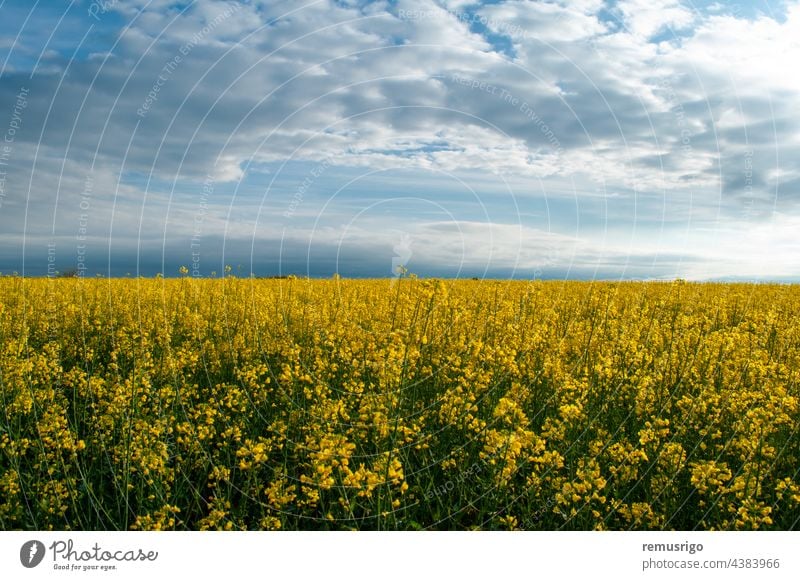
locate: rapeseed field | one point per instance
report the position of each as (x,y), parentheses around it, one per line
(232,404)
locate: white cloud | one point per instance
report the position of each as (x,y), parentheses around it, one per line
(646,18)
(544,21)
(574,100)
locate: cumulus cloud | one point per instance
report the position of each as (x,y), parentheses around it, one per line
(688,113)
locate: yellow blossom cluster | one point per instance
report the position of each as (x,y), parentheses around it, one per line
(233,404)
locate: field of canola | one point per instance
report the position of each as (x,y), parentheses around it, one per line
(407,404)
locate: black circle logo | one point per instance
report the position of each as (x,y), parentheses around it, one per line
(31,553)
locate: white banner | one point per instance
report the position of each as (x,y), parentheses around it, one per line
(370,555)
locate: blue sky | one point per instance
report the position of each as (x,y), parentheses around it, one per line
(582,139)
